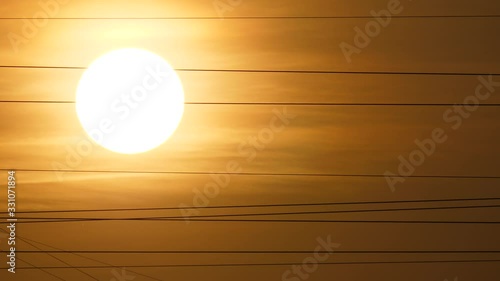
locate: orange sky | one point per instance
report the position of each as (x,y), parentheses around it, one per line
(342,140)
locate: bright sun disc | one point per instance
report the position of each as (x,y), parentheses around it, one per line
(130,101)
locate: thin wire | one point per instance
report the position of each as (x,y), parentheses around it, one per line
(88,258)
(263,17)
(267,214)
(246,174)
(278,71)
(60,260)
(264,205)
(44,270)
(49,273)
(187,218)
(270,264)
(255,252)
(272,103)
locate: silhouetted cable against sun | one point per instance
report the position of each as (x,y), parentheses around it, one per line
(278,71)
(264,17)
(251,174)
(276,103)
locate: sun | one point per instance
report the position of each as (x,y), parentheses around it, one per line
(130,101)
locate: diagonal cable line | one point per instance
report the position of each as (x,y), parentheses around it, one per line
(274,264)
(268,214)
(263,221)
(55,257)
(82,256)
(340,203)
(41,269)
(34,266)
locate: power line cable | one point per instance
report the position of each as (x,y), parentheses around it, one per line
(270,264)
(258,252)
(281,71)
(263,17)
(250,174)
(263,221)
(85,257)
(274,103)
(340,203)
(267,214)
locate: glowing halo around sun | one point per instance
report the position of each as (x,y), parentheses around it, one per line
(130,101)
